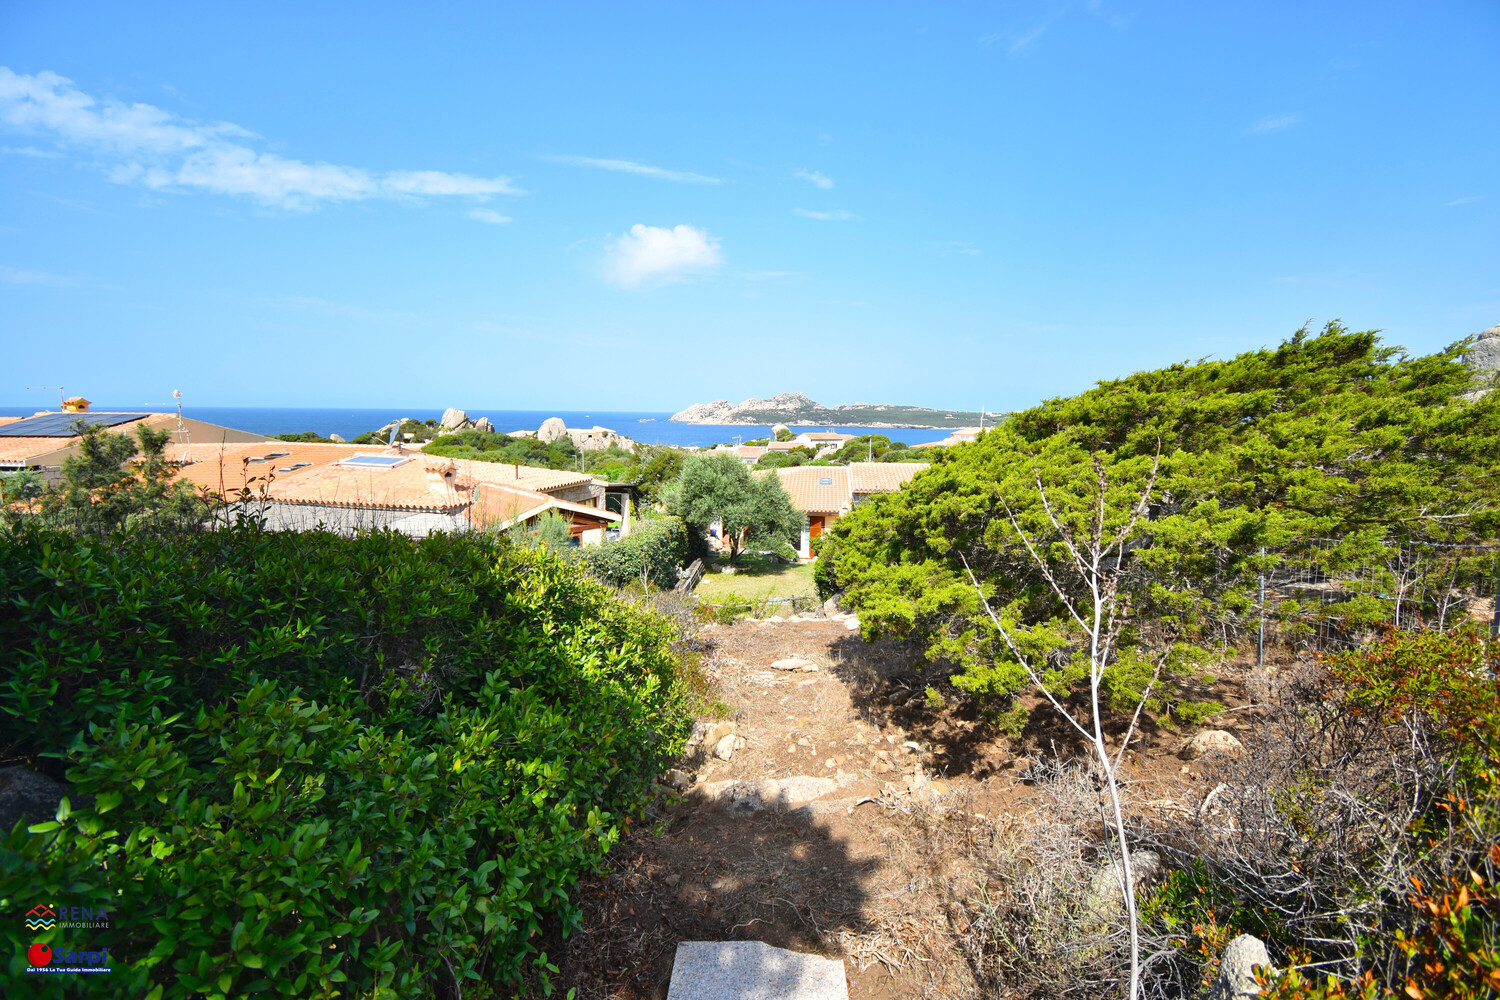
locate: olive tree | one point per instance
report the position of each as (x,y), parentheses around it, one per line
(752,509)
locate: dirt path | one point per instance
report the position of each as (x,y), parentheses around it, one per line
(850,820)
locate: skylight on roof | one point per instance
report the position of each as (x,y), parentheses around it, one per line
(268,456)
(826,481)
(294,467)
(374,461)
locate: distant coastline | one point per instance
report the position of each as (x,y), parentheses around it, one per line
(794,408)
(647,427)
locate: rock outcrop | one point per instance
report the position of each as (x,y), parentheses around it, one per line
(25,794)
(1214,741)
(1483,359)
(551,430)
(796,408)
(453,419)
(1237,969)
(1484,354)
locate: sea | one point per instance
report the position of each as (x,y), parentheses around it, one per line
(645,427)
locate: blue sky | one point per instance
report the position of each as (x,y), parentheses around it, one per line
(643,206)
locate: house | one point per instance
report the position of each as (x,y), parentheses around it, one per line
(958,435)
(343,487)
(44,440)
(825,493)
(822,441)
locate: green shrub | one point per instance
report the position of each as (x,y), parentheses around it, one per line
(653,551)
(321,766)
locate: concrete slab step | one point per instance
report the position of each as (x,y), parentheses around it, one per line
(753,970)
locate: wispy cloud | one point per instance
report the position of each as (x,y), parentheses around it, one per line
(1469,199)
(46,154)
(490,216)
(816,177)
(158,149)
(837,215)
(30,276)
(651,255)
(1273,123)
(965,247)
(631,167)
(1015,42)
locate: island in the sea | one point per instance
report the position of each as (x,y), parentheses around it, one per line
(793,408)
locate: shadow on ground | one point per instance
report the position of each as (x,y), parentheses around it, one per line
(707,874)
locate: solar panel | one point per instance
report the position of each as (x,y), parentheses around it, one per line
(374,461)
(62,424)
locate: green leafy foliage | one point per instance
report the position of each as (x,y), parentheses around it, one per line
(486,446)
(1325,435)
(311,765)
(753,510)
(112,482)
(305,437)
(650,554)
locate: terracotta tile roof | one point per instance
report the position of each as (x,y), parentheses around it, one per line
(827,436)
(882,477)
(525,476)
(312,474)
(502,506)
(21,449)
(785,445)
(813,496)
(18,449)
(753,452)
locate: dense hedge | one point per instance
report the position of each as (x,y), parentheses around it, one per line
(316,765)
(655,548)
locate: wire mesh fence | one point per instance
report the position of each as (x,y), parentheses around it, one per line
(1335,593)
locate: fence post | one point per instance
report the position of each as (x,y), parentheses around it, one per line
(1495,617)
(1260,639)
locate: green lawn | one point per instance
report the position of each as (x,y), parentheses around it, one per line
(756,577)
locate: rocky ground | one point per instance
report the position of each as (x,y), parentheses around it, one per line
(838,810)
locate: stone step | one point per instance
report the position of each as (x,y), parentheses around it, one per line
(753,970)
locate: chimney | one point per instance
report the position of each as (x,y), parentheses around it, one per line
(76,404)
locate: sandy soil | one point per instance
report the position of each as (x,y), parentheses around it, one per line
(878,868)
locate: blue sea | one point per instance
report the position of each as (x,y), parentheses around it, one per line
(648,428)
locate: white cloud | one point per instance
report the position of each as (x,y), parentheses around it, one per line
(156,148)
(29,151)
(630,167)
(837,215)
(1460,201)
(826,183)
(650,255)
(966,247)
(1273,123)
(490,216)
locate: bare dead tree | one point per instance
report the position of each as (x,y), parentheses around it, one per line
(1096,555)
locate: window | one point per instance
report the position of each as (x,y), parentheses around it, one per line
(374,461)
(268,456)
(294,467)
(826,481)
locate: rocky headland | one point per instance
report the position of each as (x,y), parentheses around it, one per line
(797,409)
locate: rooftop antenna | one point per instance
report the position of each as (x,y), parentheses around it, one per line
(57,387)
(395,428)
(182,431)
(981,418)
